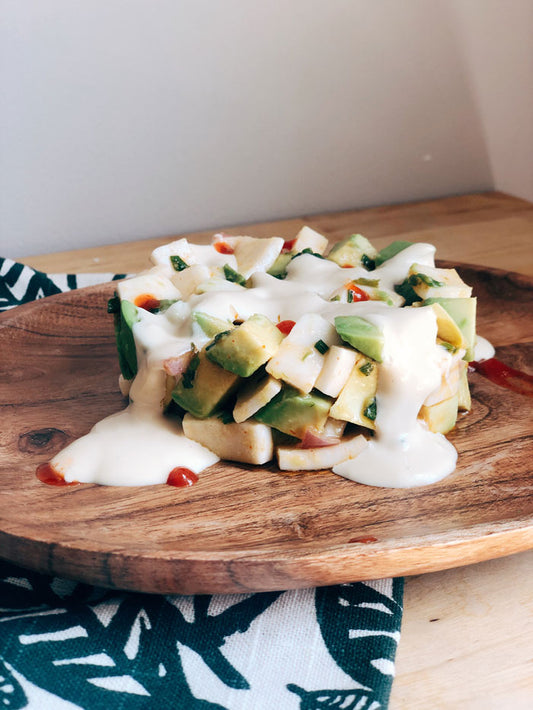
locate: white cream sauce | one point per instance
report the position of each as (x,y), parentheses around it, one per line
(483,350)
(140,446)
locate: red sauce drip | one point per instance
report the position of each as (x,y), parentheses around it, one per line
(148,302)
(285,326)
(364,540)
(357,293)
(181,477)
(501,374)
(347,266)
(46,473)
(287,246)
(223,248)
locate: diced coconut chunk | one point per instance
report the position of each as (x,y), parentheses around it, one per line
(294,459)
(337,366)
(308,238)
(441,283)
(297,361)
(247,442)
(152,283)
(253,254)
(253,397)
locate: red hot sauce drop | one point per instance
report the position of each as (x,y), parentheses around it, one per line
(181,477)
(46,473)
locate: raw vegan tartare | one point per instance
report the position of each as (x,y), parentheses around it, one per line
(257,350)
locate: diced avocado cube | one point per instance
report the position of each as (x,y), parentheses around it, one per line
(361,335)
(440,417)
(124,318)
(204,386)
(357,394)
(463,312)
(350,250)
(210,324)
(279,267)
(391,250)
(447,328)
(245,348)
(293,412)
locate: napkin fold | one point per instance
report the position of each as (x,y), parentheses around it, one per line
(70,645)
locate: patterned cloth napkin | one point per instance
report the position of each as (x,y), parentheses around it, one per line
(70,645)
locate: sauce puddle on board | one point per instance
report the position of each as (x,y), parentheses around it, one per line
(504,376)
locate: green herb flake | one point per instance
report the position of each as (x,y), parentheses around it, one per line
(226,417)
(321,346)
(113,305)
(349,296)
(367,282)
(177,263)
(215,340)
(367,368)
(448,346)
(370,411)
(407,292)
(308,250)
(368,263)
(187,379)
(416,279)
(234,276)
(335,298)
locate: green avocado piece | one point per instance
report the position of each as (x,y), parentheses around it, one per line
(391,250)
(124,318)
(279,267)
(245,348)
(463,312)
(204,387)
(350,251)
(361,335)
(293,412)
(210,324)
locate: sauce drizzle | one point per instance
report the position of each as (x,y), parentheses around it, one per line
(504,376)
(46,473)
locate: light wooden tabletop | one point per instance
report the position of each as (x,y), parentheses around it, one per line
(467,634)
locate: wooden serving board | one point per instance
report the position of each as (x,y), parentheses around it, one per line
(240,528)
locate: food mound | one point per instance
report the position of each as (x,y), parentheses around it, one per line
(250,350)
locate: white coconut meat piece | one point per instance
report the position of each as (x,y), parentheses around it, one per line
(297,361)
(246,442)
(154,283)
(308,238)
(294,459)
(253,254)
(253,397)
(188,280)
(451,284)
(337,366)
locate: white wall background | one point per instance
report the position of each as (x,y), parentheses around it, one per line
(124,119)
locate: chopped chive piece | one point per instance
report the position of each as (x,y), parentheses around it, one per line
(113,305)
(217,337)
(234,276)
(226,417)
(335,298)
(308,250)
(371,410)
(349,296)
(367,368)
(368,263)
(190,373)
(177,263)
(448,346)
(367,282)
(406,291)
(321,346)
(416,279)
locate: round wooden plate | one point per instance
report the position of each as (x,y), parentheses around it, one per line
(248,528)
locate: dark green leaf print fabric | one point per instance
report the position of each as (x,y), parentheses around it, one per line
(65,645)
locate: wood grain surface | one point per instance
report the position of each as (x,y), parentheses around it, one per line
(248,528)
